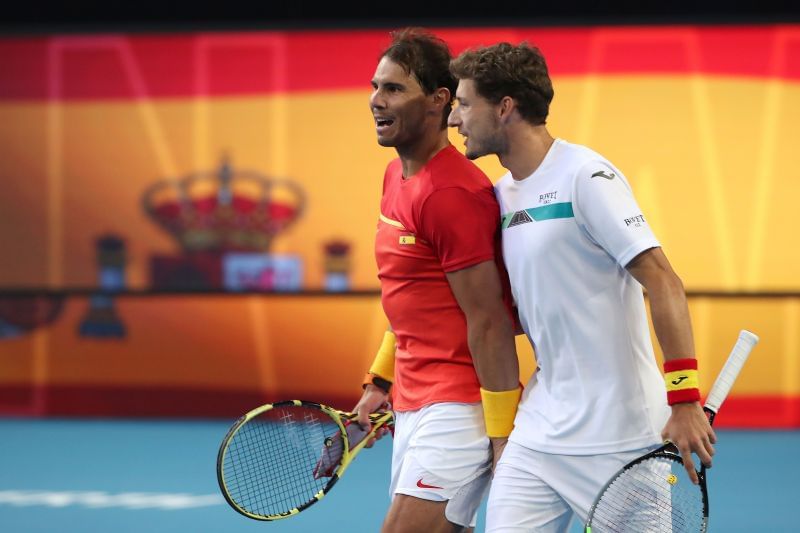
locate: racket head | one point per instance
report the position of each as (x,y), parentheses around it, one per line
(279,459)
(265,465)
(651,493)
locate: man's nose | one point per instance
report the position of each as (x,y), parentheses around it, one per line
(376,100)
(453,120)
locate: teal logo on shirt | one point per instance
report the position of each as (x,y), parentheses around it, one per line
(538,214)
(520,217)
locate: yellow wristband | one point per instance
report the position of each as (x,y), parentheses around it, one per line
(680,376)
(681,379)
(383,365)
(499,410)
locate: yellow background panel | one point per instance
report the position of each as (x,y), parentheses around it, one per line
(711,161)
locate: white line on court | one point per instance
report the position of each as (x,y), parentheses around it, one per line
(99,499)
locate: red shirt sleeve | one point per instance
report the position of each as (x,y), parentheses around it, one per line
(461,226)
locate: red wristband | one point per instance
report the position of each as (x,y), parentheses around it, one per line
(680,376)
(687,363)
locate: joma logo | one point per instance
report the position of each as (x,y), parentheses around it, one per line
(602,174)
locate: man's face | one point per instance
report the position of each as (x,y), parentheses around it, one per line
(398,105)
(477,120)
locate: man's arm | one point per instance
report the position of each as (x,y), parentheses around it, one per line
(687,427)
(490,332)
(376,397)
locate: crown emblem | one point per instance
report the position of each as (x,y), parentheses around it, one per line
(224,210)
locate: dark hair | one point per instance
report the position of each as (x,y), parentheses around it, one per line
(506,70)
(427,58)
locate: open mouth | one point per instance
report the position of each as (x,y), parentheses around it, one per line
(382,122)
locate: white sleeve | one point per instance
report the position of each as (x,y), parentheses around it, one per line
(606,210)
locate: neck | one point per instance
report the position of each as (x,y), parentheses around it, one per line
(415,156)
(527,148)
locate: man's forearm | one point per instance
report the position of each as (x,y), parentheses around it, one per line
(671,321)
(491,342)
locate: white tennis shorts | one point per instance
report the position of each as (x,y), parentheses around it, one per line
(441,453)
(536,491)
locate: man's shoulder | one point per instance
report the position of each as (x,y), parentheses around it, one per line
(394,167)
(504,182)
(393,173)
(577,156)
(453,169)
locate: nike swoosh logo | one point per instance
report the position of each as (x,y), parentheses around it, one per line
(422,485)
(677,381)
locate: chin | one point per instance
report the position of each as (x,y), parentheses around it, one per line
(474,154)
(387,143)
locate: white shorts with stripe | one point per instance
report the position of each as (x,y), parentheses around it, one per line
(441,453)
(537,491)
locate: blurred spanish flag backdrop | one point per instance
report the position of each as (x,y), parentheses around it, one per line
(704,121)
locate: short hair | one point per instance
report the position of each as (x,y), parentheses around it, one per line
(427,58)
(506,70)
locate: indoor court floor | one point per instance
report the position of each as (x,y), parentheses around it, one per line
(107,475)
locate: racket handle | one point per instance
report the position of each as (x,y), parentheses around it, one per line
(724,382)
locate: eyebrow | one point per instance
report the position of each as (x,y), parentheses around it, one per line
(388,84)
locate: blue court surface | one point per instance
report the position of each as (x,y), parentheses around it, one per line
(89,476)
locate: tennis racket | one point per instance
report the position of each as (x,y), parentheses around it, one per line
(654,492)
(281,458)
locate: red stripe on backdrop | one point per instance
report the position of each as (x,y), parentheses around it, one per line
(123,66)
(760,412)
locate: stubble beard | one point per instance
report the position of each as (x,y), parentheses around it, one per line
(492,144)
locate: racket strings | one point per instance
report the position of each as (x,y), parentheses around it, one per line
(655,495)
(242,471)
(269,463)
(261,480)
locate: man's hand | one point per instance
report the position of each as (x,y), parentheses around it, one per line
(498,445)
(372,401)
(689,430)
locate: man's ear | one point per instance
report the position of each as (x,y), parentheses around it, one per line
(506,108)
(441,97)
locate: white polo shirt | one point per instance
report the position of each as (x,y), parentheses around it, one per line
(569,229)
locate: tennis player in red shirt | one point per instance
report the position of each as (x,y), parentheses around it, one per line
(448,360)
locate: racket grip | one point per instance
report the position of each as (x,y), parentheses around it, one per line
(736,359)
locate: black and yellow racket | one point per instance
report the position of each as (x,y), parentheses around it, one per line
(654,492)
(281,458)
